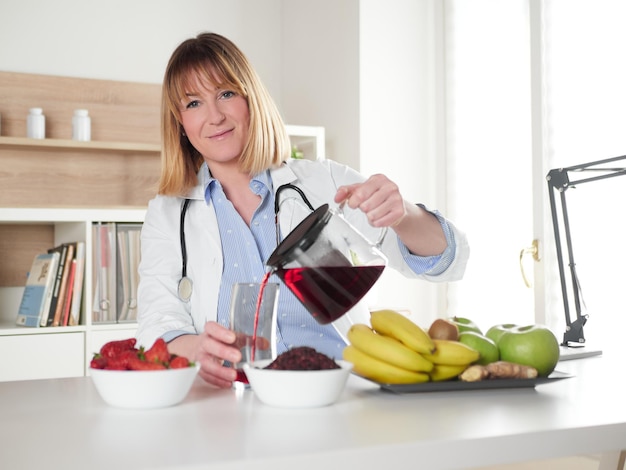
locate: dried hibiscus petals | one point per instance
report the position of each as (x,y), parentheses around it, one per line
(302,358)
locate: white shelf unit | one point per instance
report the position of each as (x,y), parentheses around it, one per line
(58,351)
(311,140)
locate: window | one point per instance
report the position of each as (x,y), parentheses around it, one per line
(499,196)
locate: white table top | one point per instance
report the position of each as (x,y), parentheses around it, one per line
(63,423)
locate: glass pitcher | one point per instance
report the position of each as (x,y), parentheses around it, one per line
(327,263)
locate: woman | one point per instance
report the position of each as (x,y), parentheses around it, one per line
(225,149)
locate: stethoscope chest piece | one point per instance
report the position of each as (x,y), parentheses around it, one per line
(185,287)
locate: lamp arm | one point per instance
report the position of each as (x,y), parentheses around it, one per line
(559,181)
(573,331)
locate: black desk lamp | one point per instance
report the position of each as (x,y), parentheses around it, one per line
(559,181)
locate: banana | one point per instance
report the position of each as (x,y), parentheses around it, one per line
(387,349)
(452,353)
(443,372)
(382,372)
(396,325)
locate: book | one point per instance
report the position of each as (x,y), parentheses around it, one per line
(38,289)
(77,291)
(48,317)
(69,291)
(69,256)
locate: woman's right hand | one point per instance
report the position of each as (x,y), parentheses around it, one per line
(214,346)
(210,348)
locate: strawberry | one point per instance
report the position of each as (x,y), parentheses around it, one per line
(179,362)
(137,364)
(121,361)
(113,348)
(158,352)
(98,362)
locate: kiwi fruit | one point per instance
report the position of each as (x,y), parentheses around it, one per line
(443,329)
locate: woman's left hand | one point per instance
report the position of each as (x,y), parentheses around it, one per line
(378,197)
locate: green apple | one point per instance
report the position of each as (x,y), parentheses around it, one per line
(533,345)
(495,332)
(488,350)
(465,324)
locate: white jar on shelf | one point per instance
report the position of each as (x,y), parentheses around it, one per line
(36,124)
(81,125)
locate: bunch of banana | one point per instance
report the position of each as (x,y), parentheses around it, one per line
(398,351)
(391,351)
(450,358)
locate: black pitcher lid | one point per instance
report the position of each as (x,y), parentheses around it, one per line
(301,237)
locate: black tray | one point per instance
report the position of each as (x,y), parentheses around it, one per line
(456,385)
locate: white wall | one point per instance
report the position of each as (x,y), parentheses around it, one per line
(320,78)
(131,40)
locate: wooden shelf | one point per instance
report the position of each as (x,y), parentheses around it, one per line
(51,214)
(67,144)
(55,189)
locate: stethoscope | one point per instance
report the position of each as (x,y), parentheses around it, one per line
(185,284)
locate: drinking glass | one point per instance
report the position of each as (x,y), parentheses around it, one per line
(254,323)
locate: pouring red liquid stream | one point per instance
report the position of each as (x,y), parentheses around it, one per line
(241,375)
(259,300)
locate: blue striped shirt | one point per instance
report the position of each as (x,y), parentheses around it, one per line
(245,250)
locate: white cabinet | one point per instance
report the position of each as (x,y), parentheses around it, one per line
(42,356)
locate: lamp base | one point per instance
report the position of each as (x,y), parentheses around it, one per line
(577,351)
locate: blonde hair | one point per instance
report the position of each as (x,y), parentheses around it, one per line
(213,58)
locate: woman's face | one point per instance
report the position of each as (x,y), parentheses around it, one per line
(216,122)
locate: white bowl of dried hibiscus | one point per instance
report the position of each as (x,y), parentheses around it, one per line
(299,378)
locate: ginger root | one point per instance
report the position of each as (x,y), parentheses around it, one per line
(474,373)
(497,370)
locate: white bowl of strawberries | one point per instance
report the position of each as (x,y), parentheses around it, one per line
(126,376)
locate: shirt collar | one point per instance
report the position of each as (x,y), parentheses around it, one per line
(211,183)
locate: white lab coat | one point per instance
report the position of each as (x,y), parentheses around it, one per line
(159,308)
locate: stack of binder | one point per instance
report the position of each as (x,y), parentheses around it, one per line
(116,271)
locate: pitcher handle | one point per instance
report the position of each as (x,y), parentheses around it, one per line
(383,230)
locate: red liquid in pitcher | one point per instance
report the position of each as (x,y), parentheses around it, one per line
(328,293)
